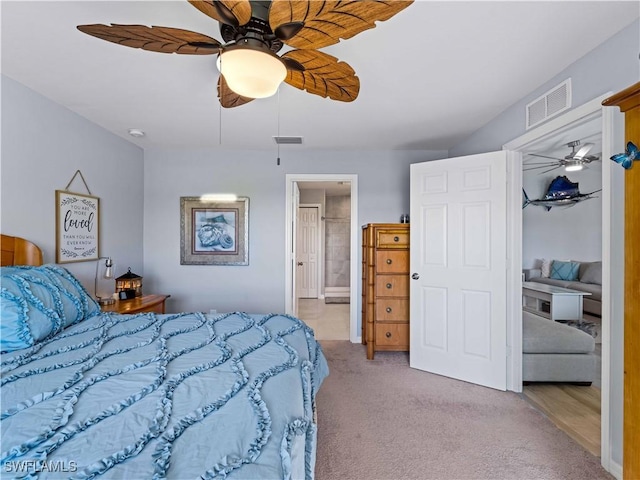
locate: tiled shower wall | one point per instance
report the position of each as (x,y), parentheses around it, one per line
(337,226)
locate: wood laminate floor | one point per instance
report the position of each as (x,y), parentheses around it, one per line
(329,321)
(573,409)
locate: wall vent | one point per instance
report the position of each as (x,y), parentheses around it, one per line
(555,101)
(288,140)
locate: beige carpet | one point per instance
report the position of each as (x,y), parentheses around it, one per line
(380,419)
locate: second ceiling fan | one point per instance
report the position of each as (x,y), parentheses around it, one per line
(572,162)
(254,31)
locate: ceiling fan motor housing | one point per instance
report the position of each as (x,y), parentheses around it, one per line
(255,33)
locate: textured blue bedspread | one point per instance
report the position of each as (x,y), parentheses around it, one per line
(154,396)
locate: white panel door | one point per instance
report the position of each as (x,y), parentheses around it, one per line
(458,264)
(307,252)
(295,201)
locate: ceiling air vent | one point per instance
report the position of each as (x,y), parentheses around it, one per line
(288,140)
(555,101)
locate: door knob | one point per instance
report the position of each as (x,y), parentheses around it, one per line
(299,264)
(415,276)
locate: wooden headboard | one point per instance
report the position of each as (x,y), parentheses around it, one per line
(18,251)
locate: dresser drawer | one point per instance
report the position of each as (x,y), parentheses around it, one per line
(392,334)
(393,238)
(392,261)
(394,309)
(392,285)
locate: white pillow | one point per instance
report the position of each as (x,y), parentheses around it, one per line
(545,268)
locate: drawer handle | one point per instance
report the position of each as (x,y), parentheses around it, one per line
(388,309)
(396,239)
(389,261)
(388,334)
(389,285)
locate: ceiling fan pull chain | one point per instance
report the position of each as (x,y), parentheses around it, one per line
(278,143)
(220,108)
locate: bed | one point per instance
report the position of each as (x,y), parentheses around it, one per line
(87,394)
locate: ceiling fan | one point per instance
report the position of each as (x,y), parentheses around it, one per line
(254,31)
(572,162)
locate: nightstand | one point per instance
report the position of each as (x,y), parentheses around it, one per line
(145,303)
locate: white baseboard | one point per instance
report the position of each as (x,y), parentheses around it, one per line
(615,469)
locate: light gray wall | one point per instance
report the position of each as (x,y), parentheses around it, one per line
(610,67)
(43,144)
(383,194)
(573,233)
(336,239)
(312,195)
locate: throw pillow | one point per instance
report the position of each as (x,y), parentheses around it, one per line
(592,274)
(545,268)
(564,270)
(38,302)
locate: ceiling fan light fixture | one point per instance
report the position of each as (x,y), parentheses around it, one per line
(251,72)
(573,166)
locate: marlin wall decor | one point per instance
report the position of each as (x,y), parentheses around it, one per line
(562,192)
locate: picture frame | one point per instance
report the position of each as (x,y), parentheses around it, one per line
(77,227)
(214,231)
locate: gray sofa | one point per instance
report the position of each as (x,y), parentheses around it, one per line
(589,280)
(554,352)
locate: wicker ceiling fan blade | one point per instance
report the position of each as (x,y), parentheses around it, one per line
(231,12)
(323,75)
(154,39)
(229,98)
(317,24)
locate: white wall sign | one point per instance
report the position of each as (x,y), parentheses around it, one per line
(77,227)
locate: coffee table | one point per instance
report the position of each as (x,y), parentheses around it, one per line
(549,301)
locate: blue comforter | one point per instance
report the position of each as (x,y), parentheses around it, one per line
(164,396)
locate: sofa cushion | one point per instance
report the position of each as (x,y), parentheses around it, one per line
(592,288)
(564,270)
(545,267)
(540,335)
(591,272)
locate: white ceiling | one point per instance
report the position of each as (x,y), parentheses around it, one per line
(429,77)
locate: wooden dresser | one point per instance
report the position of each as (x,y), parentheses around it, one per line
(629,102)
(385,287)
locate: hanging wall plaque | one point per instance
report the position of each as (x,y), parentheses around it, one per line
(77,227)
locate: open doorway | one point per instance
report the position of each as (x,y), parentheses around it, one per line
(322,286)
(610,128)
(570,232)
(322,280)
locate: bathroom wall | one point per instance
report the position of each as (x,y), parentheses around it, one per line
(337,225)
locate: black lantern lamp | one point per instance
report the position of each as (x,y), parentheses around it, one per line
(129,285)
